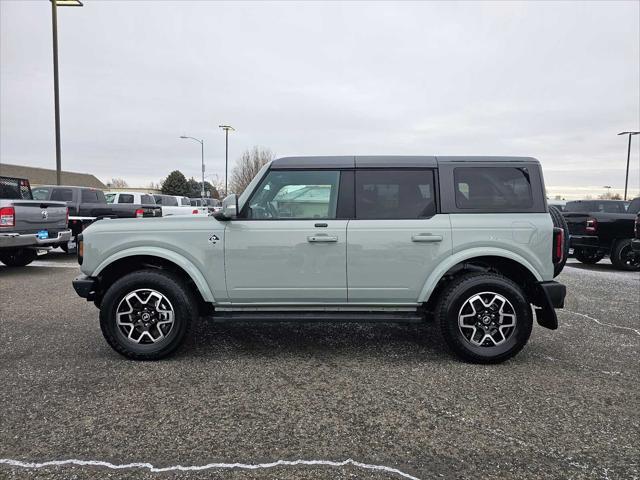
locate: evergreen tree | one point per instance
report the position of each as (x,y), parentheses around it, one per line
(175,184)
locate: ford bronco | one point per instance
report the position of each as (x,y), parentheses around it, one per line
(467,242)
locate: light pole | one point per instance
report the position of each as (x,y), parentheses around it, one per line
(626,178)
(226,129)
(608,194)
(56,95)
(201,142)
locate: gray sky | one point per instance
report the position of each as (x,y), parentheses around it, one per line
(556,81)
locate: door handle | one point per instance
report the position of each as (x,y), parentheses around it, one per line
(321,239)
(426,238)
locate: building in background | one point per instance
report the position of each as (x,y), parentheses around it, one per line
(46,176)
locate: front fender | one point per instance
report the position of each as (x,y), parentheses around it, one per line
(166,254)
(464,255)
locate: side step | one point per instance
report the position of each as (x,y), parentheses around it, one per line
(302,316)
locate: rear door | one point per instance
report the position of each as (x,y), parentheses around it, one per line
(289,244)
(397,237)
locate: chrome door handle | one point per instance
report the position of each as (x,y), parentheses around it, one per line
(321,239)
(426,238)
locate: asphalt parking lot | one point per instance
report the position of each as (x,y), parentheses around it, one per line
(389,397)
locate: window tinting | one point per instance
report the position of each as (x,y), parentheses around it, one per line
(493,188)
(62,194)
(147,200)
(125,198)
(634,206)
(394,194)
(596,206)
(90,196)
(296,195)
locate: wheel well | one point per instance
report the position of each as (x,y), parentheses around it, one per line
(126,265)
(511,269)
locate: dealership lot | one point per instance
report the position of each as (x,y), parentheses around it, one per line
(388,396)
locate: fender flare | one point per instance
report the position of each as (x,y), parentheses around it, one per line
(459,257)
(184,263)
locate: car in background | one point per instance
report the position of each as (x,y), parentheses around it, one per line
(213,204)
(130,197)
(27,226)
(177,205)
(86,205)
(635,241)
(600,228)
(559,204)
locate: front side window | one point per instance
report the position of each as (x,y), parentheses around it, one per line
(394,194)
(147,200)
(185,201)
(125,198)
(302,194)
(493,188)
(89,196)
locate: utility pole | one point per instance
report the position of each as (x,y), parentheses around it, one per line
(226,129)
(626,178)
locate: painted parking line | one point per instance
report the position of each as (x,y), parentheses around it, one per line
(208,466)
(49,264)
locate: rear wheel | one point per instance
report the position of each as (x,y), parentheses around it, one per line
(484,317)
(589,256)
(623,256)
(146,315)
(18,258)
(560,222)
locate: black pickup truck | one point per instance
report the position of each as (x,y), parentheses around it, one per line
(87,205)
(603,227)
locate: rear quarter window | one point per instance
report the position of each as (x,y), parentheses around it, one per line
(493,189)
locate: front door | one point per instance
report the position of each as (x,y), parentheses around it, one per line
(288,245)
(397,237)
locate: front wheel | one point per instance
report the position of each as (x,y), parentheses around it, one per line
(18,258)
(623,257)
(146,315)
(484,317)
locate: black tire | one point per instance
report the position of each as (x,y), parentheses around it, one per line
(180,300)
(65,247)
(623,258)
(590,256)
(560,222)
(18,258)
(453,300)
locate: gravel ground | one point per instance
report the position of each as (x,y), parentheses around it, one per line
(389,396)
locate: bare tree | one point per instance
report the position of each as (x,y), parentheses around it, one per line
(118,183)
(247,167)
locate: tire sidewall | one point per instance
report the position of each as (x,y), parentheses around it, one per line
(167,286)
(617,259)
(465,290)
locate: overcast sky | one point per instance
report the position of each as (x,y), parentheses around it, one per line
(556,81)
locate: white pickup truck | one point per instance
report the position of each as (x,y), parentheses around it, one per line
(177,205)
(136,198)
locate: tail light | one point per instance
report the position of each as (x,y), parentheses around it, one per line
(80,248)
(592,225)
(558,245)
(195,211)
(7,217)
(139,213)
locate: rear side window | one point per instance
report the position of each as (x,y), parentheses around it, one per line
(125,198)
(394,194)
(147,200)
(62,194)
(493,188)
(185,201)
(166,201)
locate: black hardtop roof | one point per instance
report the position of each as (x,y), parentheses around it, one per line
(379,161)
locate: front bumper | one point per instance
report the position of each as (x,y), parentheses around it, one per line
(18,240)
(85,287)
(549,296)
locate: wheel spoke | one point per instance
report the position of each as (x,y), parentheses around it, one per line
(145,316)
(487,319)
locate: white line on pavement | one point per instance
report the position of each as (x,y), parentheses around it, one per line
(637,332)
(209,466)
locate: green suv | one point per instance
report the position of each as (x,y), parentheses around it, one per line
(466,242)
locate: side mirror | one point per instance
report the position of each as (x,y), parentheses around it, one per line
(229,208)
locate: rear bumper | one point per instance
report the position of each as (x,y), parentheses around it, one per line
(85,287)
(16,240)
(584,241)
(549,296)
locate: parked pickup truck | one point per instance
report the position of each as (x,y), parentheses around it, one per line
(603,227)
(28,226)
(87,205)
(467,242)
(177,205)
(136,198)
(213,204)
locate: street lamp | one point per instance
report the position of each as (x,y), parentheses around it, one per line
(56,95)
(201,142)
(626,178)
(226,129)
(608,187)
